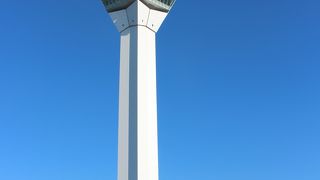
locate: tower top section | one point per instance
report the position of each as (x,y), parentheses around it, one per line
(130,13)
(160,5)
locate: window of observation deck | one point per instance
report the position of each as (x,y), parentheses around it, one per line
(115,5)
(161,5)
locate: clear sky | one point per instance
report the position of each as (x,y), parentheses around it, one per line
(238,90)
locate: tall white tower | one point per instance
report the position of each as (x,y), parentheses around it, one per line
(138,21)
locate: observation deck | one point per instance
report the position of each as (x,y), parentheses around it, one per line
(160,5)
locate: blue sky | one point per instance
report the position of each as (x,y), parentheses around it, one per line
(238,91)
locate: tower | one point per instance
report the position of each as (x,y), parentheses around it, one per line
(138,21)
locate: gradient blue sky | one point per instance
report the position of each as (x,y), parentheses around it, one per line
(238,89)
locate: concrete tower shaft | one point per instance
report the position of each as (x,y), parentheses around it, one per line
(138,21)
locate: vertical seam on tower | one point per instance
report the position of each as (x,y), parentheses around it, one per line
(137,93)
(127,19)
(148,17)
